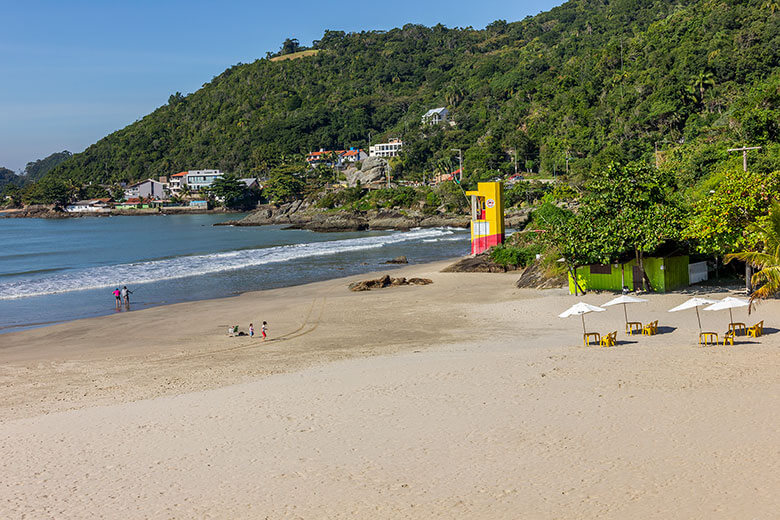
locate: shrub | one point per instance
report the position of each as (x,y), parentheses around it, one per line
(510,255)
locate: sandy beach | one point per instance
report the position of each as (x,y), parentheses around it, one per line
(467,398)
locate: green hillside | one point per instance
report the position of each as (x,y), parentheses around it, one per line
(590,80)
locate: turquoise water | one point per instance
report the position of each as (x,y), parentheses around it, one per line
(59,270)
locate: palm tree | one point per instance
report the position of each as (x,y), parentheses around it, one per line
(767,279)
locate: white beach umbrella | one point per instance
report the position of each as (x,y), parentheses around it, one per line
(624,299)
(729,302)
(580,309)
(693,303)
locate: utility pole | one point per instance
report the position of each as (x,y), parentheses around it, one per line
(460,163)
(744,151)
(748,267)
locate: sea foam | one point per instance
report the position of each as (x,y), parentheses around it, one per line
(196,265)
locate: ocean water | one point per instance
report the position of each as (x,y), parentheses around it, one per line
(60,270)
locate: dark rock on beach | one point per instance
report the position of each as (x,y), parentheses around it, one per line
(478,264)
(387,281)
(398,260)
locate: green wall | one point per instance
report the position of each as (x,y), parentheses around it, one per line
(674,275)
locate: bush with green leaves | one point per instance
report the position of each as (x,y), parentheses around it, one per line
(522,256)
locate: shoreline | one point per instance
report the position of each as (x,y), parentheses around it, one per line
(464,398)
(55,215)
(121,343)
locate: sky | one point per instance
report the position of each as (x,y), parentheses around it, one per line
(71,72)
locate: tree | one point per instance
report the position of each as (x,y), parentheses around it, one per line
(229,190)
(631,208)
(283,187)
(47,191)
(37,169)
(721,219)
(290,45)
(767,260)
(12,195)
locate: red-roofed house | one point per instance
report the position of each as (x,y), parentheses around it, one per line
(336,158)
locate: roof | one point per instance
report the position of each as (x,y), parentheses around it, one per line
(248,181)
(143,182)
(435,111)
(134,200)
(180,174)
(340,153)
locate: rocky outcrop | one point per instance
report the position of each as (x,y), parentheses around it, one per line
(35,211)
(536,277)
(478,264)
(301,215)
(373,171)
(387,281)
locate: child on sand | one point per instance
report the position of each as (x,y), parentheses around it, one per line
(251,331)
(264,329)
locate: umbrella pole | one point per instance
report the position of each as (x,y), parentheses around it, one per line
(625,313)
(698,318)
(583,322)
(731,315)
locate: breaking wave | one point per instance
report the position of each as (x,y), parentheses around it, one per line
(185,266)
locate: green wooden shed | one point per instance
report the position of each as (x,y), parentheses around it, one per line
(664,274)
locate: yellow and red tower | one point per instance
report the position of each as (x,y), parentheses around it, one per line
(487,216)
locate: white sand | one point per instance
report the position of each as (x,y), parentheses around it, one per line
(464,399)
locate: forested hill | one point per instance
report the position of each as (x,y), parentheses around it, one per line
(595,79)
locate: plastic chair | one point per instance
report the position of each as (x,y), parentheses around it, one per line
(756,330)
(650,329)
(609,340)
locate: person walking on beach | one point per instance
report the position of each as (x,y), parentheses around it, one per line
(264,329)
(126,295)
(251,331)
(118,297)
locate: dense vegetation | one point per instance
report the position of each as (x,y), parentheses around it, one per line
(8,177)
(591,80)
(35,170)
(633,102)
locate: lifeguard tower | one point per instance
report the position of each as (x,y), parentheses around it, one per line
(487,216)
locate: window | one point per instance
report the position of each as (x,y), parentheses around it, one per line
(600,269)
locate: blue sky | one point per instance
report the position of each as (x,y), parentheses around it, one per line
(74,71)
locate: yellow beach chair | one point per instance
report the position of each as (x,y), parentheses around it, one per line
(756,330)
(651,329)
(609,340)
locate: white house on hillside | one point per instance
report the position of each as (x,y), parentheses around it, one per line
(389,149)
(198,179)
(148,189)
(193,179)
(435,116)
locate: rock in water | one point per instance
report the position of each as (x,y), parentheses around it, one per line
(374,170)
(398,260)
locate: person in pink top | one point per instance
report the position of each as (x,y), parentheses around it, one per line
(117,295)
